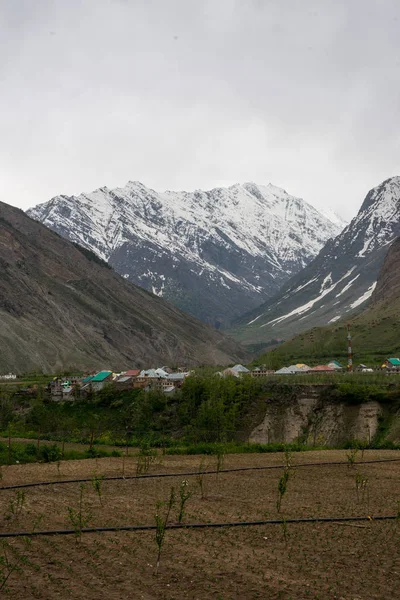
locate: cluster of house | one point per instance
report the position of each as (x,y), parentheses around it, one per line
(162,379)
(8,377)
(331,367)
(391,365)
(166,380)
(239,370)
(236,371)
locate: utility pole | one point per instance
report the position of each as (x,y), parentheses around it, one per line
(349,350)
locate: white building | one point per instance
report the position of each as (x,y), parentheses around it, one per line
(8,376)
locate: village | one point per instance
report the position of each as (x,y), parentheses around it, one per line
(166,380)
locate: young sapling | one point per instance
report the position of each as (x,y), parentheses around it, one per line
(79,518)
(97,483)
(16,505)
(284,479)
(200,478)
(161,524)
(146,456)
(11,561)
(184,495)
(351,457)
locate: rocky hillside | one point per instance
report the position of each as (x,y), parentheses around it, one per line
(214,254)
(339,281)
(322,415)
(61,307)
(388,284)
(375,330)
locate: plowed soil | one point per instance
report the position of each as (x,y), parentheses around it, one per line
(346,561)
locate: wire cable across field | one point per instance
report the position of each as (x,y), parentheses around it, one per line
(197,525)
(193,473)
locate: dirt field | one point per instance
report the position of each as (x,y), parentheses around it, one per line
(350,561)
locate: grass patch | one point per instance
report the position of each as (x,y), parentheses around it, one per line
(22,453)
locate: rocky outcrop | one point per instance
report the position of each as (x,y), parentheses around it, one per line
(312,420)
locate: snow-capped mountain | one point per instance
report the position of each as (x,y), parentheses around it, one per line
(332,216)
(214,254)
(339,280)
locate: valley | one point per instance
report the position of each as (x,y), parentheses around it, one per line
(199,300)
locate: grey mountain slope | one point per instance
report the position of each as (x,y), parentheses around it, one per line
(213,254)
(61,307)
(338,281)
(388,285)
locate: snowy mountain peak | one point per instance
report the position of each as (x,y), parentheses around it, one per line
(334,217)
(340,279)
(381,198)
(213,253)
(134,185)
(377,220)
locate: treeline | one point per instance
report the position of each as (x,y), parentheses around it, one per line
(206,409)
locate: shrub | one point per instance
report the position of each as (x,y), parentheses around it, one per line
(51,453)
(31,449)
(92,452)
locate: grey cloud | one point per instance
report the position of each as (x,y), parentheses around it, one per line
(185,94)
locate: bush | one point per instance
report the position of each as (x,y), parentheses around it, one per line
(31,449)
(92,452)
(98,453)
(51,453)
(211,448)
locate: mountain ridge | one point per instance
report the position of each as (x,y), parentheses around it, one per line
(374,330)
(212,253)
(339,280)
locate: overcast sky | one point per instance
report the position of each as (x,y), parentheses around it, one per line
(185,94)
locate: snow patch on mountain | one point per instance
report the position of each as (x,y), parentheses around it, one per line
(364,297)
(220,251)
(347,286)
(333,217)
(323,292)
(306,307)
(334,319)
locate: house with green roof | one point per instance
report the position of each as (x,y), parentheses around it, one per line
(102,376)
(392,363)
(101,379)
(334,364)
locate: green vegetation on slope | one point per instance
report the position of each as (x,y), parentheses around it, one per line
(375,335)
(207,410)
(375,331)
